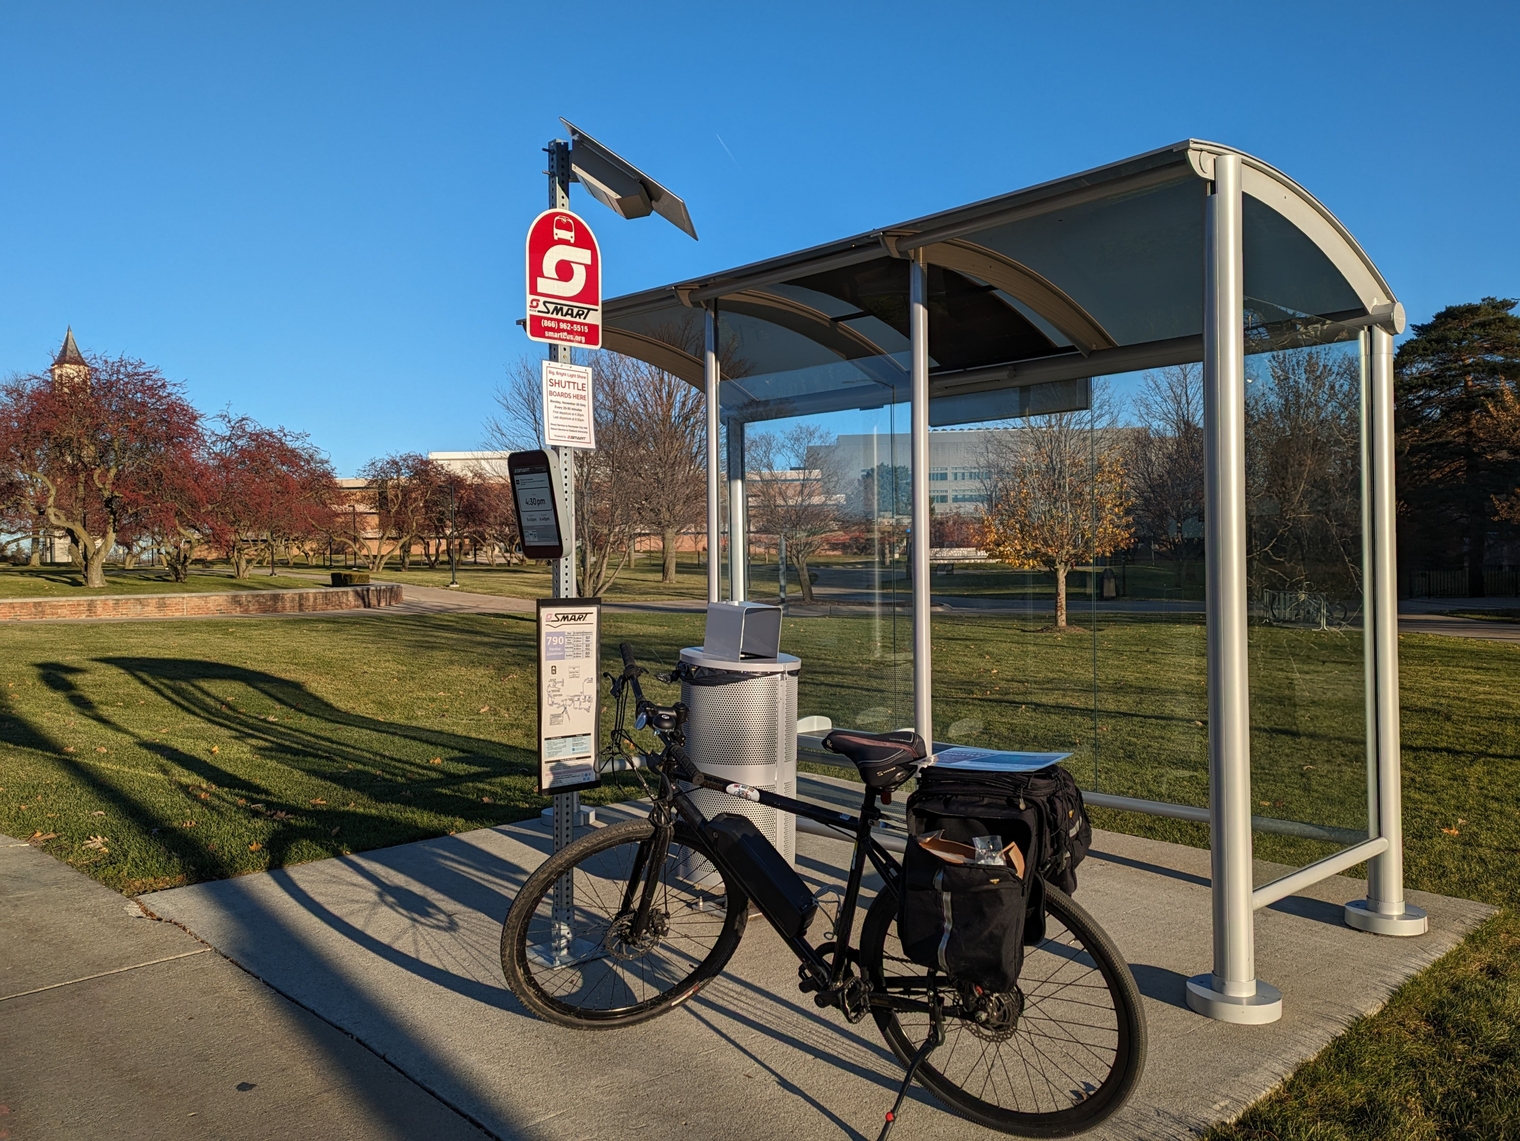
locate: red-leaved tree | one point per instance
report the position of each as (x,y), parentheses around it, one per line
(264,487)
(83,455)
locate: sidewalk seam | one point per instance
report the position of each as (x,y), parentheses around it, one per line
(104,974)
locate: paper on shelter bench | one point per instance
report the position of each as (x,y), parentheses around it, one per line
(992,760)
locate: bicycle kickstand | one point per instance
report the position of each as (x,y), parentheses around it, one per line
(936,1038)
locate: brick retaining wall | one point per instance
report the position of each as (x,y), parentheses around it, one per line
(196,605)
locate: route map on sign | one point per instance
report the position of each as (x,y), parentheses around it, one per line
(564,281)
(568,676)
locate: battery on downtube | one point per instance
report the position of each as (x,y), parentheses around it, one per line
(781,894)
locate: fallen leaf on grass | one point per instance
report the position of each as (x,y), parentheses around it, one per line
(485,800)
(98,843)
(485,709)
(203,795)
(255,846)
(258,807)
(271,718)
(39,838)
(100,748)
(215,749)
(98,812)
(68,748)
(319,800)
(436,761)
(334,832)
(241,802)
(281,815)
(188,824)
(1451,831)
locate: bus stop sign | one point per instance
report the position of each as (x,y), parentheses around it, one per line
(564,281)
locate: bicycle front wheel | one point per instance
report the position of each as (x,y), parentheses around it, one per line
(568,949)
(1054,1057)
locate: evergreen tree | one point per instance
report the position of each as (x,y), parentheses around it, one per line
(1448,379)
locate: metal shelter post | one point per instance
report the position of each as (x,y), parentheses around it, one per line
(1232,992)
(1384,911)
(738,515)
(710,382)
(918,328)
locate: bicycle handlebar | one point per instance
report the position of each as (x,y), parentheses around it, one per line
(631,672)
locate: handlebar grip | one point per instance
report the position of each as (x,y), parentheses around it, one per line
(626,649)
(692,773)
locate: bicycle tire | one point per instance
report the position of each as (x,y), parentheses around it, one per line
(1060,1005)
(704,919)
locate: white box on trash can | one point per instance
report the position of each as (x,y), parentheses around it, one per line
(738,630)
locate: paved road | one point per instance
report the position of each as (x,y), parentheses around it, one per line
(113,1025)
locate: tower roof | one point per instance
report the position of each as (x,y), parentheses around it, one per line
(70,353)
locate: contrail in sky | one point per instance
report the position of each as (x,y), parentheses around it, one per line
(725,147)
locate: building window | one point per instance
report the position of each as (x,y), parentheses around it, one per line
(939,475)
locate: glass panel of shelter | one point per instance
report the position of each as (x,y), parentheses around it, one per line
(1122,688)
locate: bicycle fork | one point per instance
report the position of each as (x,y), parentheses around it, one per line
(935,1039)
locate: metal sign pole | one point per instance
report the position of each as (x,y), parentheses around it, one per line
(567,805)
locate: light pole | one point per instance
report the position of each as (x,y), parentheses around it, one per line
(453,561)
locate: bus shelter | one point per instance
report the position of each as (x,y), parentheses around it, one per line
(1013,311)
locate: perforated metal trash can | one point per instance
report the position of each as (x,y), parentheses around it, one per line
(743,729)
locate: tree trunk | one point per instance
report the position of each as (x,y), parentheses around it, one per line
(804,580)
(668,539)
(93,558)
(1060,596)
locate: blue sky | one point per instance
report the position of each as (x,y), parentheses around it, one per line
(314,213)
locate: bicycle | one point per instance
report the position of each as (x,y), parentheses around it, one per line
(632,920)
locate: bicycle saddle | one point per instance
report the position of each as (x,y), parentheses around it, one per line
(885,760)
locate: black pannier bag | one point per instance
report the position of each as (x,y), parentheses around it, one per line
(955,917)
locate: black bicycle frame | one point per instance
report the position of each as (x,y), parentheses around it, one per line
(825,974)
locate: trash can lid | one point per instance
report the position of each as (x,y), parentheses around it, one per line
(781,663)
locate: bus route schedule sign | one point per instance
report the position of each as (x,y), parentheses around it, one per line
(569,711)
(564,281)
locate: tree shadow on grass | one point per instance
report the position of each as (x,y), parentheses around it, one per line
(388,764)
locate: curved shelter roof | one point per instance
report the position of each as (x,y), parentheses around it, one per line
(1031,294)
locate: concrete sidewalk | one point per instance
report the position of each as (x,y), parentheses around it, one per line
(115,1026)
(400,947)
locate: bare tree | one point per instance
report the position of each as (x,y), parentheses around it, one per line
(1303,473)
(518,425)
(795,492)
(1165,463)
(666,454)
(1057,495)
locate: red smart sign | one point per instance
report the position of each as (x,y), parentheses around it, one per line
(564,281)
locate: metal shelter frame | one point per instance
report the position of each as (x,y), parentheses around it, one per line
(1254,219)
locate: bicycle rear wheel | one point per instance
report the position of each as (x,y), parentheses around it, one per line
(1054,1057)
(580,967)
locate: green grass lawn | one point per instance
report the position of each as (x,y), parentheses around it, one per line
(204,749)
(65,582)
